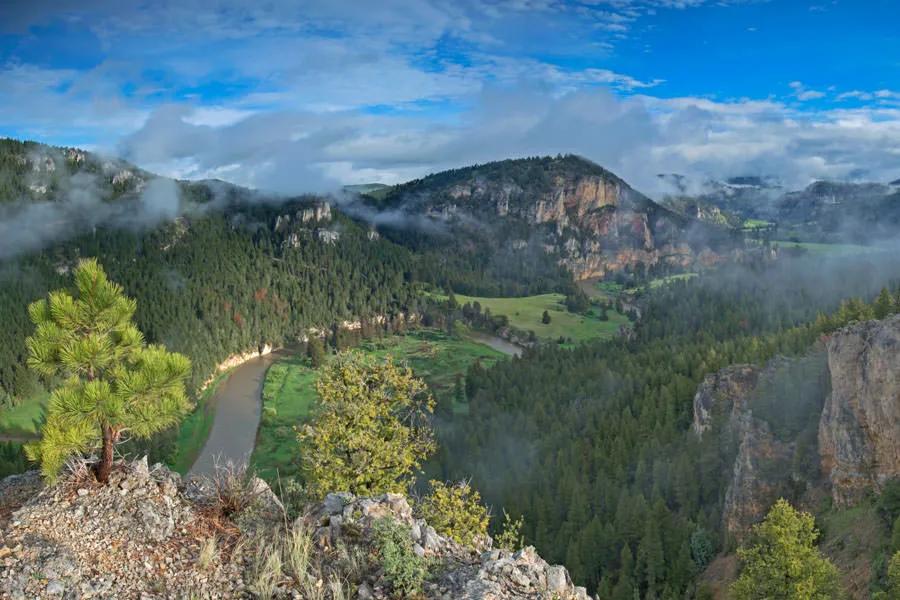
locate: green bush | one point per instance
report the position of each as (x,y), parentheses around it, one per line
(402,567)
(510,537)
(455,511)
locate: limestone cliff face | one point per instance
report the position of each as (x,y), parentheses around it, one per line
(723,395)
(586,216)
(762,464)
(858,418)
(859,433)
(762,469)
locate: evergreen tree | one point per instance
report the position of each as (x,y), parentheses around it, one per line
(545,318)
(112,383)
(783,561)
(316,352)
(884,304)
(894,575)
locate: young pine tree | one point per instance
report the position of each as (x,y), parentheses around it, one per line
(109,382)
(783,561)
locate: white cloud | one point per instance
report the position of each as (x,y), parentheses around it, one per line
(635,137)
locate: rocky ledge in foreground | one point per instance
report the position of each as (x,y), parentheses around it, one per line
(149,535)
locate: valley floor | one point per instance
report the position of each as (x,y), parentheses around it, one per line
(525,313)
(289,392)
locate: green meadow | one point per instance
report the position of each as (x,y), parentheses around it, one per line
(289,390)
(525,313)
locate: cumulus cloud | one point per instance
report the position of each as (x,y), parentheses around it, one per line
(802,93)
(637,137)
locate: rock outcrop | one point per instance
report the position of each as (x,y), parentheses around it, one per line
(859,433)
(134,538)
(149,535)
(762,463)
(723,395)
(468,573)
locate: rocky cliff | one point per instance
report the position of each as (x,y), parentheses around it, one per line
(589,218)
(793,434)
(723,407)
(859,433)
(148,534)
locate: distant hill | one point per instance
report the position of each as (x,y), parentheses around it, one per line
(829,211)
(375,190)
(564,208)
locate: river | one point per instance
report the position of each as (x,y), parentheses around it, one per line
(498,344)
(238,402)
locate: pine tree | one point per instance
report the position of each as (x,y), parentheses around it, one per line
(316,352)
(783,561)
(112,383)
(884,304)
(545,318)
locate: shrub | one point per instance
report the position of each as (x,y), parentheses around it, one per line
(455,511)
(511,537)
(402,567)
(783,562)
(372,430)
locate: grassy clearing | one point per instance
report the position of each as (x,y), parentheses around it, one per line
(23,420)
(194,430)
(756,224)
(525,313)
(828,249)
(289,393)
(660,281)
(611,290)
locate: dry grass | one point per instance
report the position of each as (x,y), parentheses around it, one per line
(209,552)
(266,573)
(78,473)
(230,489)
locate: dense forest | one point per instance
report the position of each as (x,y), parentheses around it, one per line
(221,284)
(590,445)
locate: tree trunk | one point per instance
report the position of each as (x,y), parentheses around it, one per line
(106,455)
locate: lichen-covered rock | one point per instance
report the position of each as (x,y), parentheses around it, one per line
(859,433)
(524,574)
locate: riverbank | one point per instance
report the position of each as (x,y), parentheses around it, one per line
(497,343)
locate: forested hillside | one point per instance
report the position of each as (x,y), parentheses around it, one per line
(217,285)
(591,445)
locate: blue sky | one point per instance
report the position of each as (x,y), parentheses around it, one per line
(300,96)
